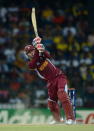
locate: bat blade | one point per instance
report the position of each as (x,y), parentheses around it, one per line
(33,18)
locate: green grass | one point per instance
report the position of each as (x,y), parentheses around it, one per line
(47,127)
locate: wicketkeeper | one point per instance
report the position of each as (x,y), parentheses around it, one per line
(39,60)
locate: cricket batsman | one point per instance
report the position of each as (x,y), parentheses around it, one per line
(39,60)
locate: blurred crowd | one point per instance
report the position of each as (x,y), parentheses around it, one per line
(66,35)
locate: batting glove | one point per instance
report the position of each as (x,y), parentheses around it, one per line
(40,47)
(36,41)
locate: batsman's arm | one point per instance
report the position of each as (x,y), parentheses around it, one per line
(31,63)
(47,54)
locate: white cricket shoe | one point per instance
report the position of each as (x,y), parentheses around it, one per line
(70,122)
(53,122)
(57,122)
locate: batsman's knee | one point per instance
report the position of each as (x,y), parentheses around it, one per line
(52,105)
(63,96)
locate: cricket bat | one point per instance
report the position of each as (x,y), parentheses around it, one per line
(34,23)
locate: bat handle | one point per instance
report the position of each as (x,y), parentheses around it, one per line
(36,34)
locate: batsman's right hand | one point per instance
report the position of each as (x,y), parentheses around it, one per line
(40,47)
(36,40)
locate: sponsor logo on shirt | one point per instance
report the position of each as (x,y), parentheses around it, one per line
(42,67)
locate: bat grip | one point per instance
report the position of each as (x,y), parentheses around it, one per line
(36,34)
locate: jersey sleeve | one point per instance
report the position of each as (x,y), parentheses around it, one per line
(32,64)
(47,54)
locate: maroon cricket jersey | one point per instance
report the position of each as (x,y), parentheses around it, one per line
(44,67)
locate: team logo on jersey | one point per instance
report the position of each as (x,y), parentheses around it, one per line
(42,67)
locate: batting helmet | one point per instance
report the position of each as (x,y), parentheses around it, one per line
(29,48)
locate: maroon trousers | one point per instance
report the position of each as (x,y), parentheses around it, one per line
(57,90)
